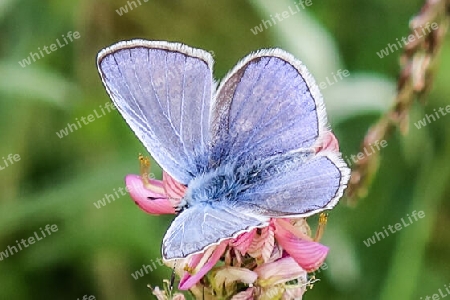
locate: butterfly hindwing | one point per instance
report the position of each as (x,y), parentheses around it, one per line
(301,190)
(203,225)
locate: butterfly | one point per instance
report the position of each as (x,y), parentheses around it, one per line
(246,150)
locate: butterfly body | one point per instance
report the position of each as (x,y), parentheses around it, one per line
(247,152)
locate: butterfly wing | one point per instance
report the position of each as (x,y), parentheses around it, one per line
(163,90)
(267,107)
(268,104)
(203,225)
(299,190)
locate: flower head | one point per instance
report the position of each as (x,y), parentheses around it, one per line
(263,263)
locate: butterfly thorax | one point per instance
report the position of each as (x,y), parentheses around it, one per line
(226,182)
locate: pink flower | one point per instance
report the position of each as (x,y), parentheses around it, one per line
(263,244)
(155,197)
(308,254)
(200,264)
(302,254)
(244,241)
(274,281)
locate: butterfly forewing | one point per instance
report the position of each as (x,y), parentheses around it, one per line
(163,90)
(269,104)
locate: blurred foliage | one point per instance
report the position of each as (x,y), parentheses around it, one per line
(57,180)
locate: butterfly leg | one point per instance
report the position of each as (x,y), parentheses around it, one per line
(182,205)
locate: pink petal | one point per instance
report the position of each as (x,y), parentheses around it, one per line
(263,244)
(243,241)
(308,254)
(211,255)
(151,201)
(269,243)
(173,188)
(280,271)
(244,295)
(327,142)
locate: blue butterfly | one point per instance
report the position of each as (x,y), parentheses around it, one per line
(246,151)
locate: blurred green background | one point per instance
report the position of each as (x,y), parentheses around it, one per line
(58,180)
